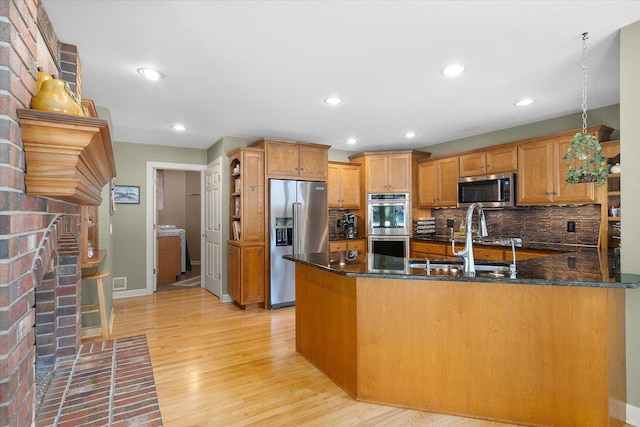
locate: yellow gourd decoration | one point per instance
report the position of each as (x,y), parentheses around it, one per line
(55,96)
(42,77)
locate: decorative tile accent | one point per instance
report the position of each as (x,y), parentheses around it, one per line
(108,383)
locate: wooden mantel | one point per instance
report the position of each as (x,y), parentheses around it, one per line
(67,157)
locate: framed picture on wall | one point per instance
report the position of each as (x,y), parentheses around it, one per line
(129,194)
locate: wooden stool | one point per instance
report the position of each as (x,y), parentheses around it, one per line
(101,307)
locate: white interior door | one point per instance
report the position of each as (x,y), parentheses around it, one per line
(212,233)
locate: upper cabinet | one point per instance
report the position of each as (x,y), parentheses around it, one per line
(247,210)
(438,182)
(291,160)
(389,172)
(500,159)
(541,171)
(343,184)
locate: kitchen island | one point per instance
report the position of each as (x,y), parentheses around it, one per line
(533,350)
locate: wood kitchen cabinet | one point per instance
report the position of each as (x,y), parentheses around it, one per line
(389,171)
(431,250)
(488,253)
(347,245)
(246,264)
(541,171)
(246,245)
(292,160)
(343,184)
(247,195)
(500,159)
(609,237)
(169,253)
(438,182)
(443,250)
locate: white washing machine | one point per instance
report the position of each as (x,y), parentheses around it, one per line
(172,230)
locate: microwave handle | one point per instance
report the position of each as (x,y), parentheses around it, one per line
(500,188)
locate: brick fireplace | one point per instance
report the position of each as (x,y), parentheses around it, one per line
(39,262)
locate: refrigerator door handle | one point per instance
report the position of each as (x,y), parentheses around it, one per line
(294,213)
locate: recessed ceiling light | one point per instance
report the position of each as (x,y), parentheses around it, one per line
(524,102)
(333,100)
(178,127)
(351,141)
(453,70)
(151,74)
(410,135)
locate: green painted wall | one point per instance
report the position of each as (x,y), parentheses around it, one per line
(608,116)
(129,221)
(630,202)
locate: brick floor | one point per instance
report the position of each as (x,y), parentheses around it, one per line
(109,383)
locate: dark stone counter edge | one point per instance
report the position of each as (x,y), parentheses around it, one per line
(626,281)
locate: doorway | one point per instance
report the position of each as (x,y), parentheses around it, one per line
(152,217)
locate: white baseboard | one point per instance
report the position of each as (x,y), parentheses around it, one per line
(633,415)
(129,294)
(226,298)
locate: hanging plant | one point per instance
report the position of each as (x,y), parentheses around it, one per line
(586,161)
(584,156)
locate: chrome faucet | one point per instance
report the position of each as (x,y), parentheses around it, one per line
(467,253)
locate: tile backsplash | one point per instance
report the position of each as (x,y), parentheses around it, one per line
(543,224)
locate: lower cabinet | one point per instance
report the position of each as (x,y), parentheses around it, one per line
(442,250)
(246,273)
(168,258)
(430,250)
(347,245)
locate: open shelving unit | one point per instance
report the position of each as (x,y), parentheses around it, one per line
(611,196)
(246,248)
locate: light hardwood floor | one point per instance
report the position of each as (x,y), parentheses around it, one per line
(217,365)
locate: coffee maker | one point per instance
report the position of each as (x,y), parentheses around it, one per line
(350,225)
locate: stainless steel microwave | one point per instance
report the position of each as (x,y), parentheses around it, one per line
(491,190)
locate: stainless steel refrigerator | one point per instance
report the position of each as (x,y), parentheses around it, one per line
(298,218)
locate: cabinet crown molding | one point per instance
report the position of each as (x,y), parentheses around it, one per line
(67,158)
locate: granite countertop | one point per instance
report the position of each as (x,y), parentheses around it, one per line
(578,268)
(342,238)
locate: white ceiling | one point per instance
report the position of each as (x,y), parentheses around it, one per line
(263,68)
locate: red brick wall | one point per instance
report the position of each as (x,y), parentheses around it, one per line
(24,221)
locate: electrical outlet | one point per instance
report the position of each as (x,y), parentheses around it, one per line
(450,223)
(571,226)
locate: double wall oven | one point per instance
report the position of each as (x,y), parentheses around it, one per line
(388,227)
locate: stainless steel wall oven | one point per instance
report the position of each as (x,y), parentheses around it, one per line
(397,246)
(388,227)
(388,214)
